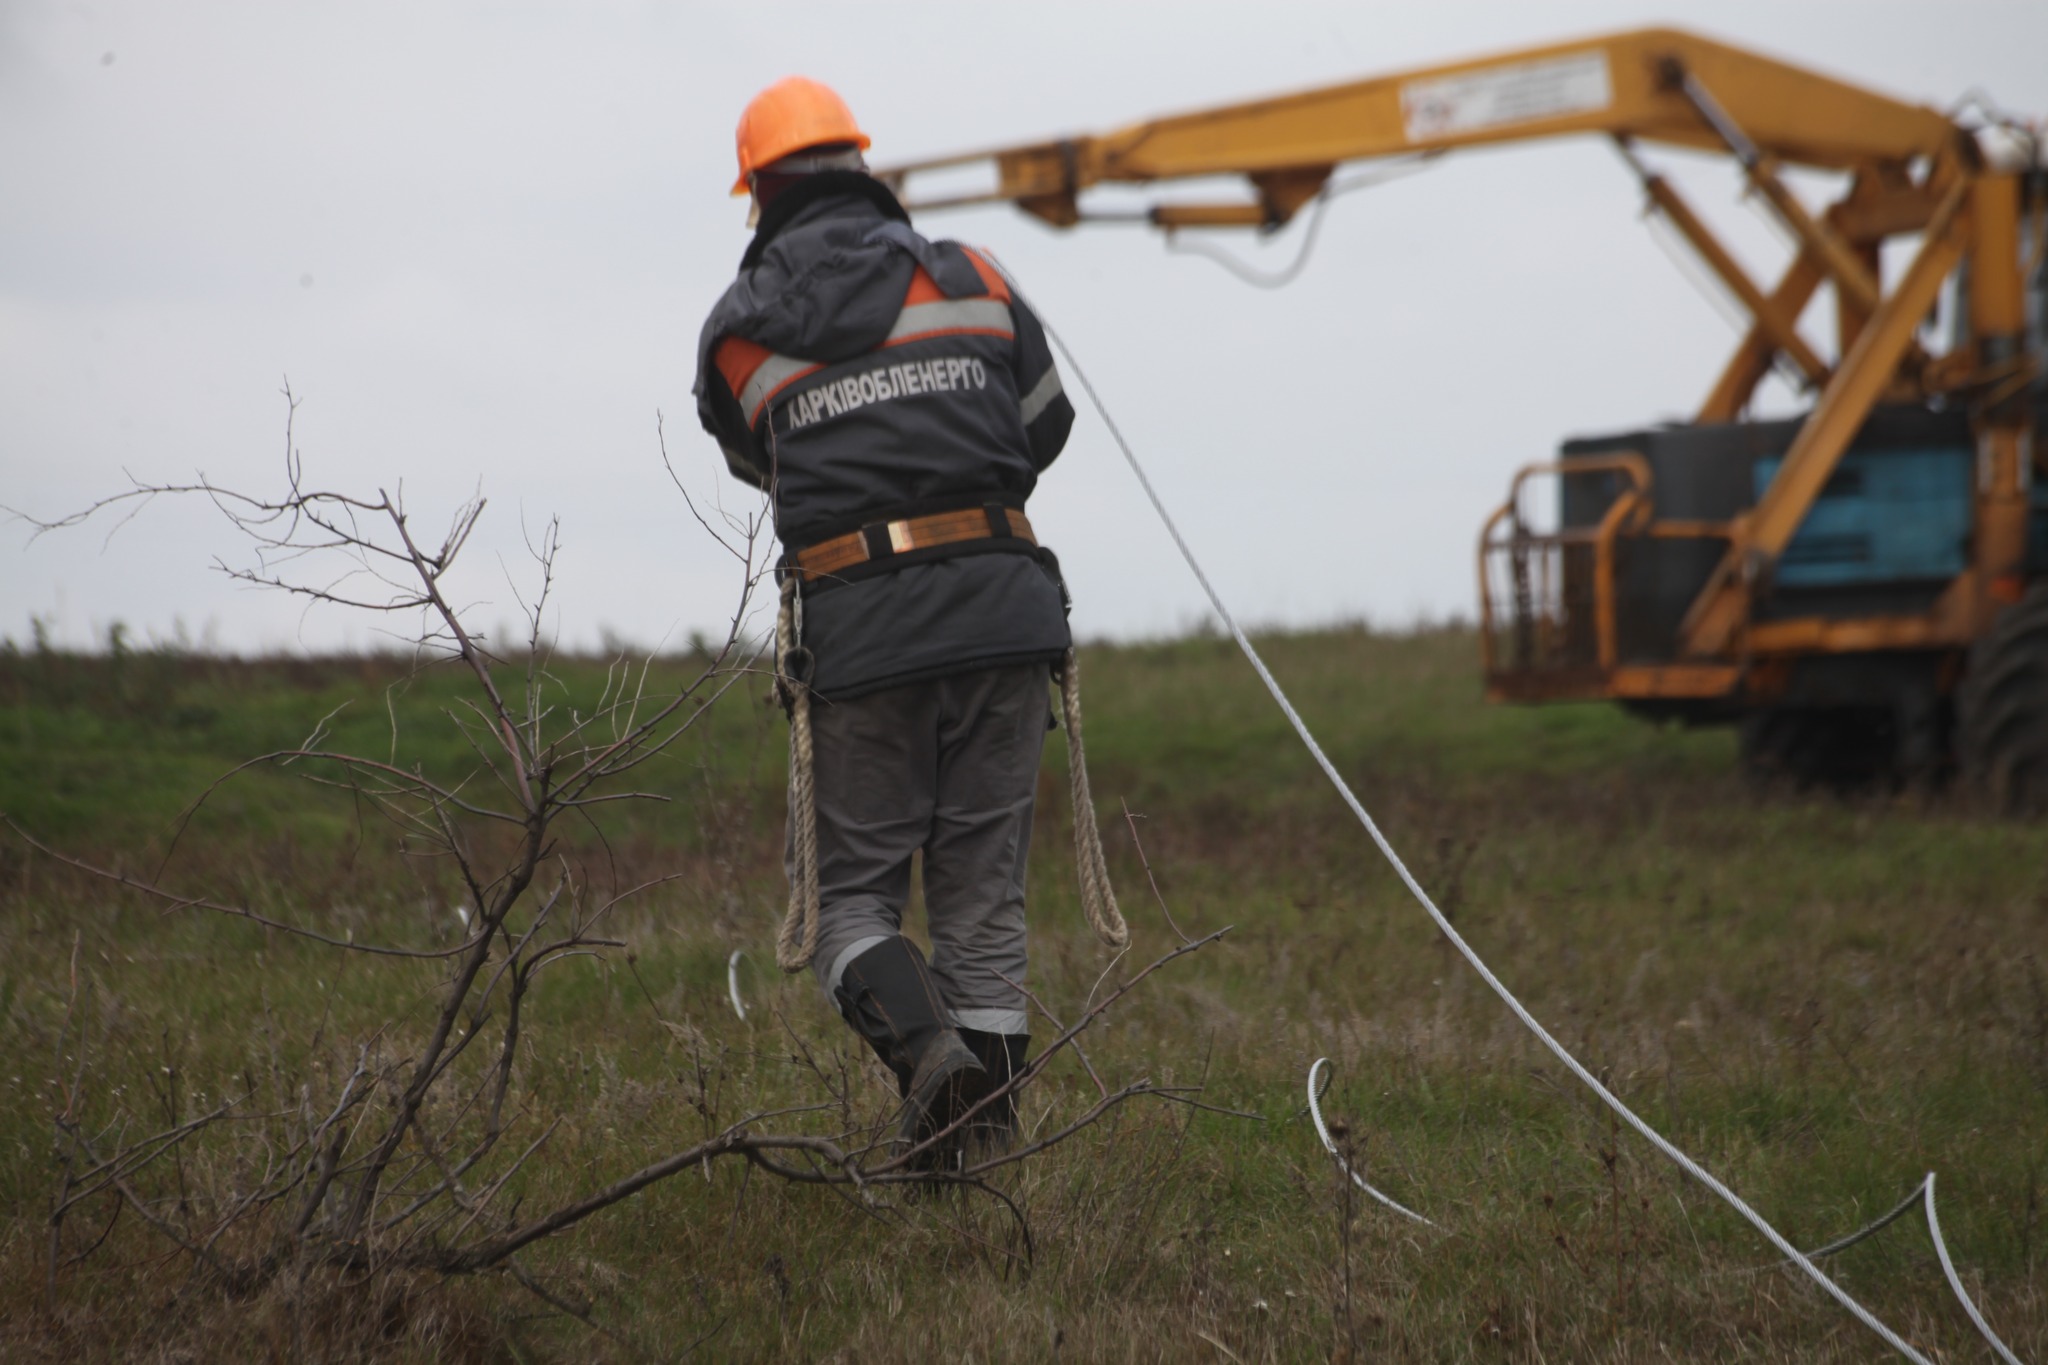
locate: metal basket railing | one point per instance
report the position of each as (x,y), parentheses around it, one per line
(1546,598)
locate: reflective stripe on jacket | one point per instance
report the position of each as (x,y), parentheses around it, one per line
(758,375)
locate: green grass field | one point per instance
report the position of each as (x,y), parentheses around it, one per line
(1820,999)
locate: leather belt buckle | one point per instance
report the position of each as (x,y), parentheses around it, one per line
(880,540)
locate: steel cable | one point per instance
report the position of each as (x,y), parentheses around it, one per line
(1871,1229)
(1922,1197)
(1955,1282)
(732,983)
(1443,923)
(1286,275)
(1315,1112)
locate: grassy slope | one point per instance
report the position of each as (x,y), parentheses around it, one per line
(1819,1000)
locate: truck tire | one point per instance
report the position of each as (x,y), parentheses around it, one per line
(1837,748)
(2003,709)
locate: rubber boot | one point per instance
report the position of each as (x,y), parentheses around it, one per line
(887,994)
(994,1129)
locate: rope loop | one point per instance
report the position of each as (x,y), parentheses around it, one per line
(798,942)
(1098,899)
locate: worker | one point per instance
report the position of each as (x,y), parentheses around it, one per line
(898,401)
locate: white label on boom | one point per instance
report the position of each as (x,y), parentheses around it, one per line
(1521,93)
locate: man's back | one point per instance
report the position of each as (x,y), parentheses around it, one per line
(871,378)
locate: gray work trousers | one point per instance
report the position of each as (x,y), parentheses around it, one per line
(950,767)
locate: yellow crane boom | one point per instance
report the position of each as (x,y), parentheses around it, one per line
(1630,85)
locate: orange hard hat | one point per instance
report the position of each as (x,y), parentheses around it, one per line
(790,115)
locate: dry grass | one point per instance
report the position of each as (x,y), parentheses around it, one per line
(1819,999)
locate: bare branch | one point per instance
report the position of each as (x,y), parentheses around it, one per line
(1146,863)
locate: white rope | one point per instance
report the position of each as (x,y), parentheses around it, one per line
(732,982)
(1315,1112)
(1955,1282)
(1443,924)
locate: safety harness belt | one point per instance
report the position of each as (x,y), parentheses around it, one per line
(879,542)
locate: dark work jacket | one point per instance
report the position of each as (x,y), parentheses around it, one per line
(862,374)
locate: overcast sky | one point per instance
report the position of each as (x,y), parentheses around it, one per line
(479,240)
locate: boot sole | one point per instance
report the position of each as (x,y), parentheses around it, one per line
(940,1099)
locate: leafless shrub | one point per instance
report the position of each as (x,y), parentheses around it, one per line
(399,1163)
